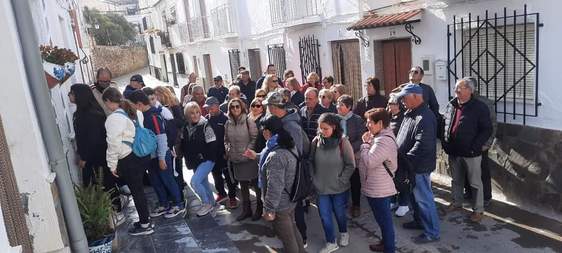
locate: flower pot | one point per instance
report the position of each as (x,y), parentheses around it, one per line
(57,74)
(103,245)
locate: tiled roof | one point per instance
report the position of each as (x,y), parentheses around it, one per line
(374,20)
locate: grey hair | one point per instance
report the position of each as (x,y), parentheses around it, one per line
(470,82)
(197,87)
(234,87)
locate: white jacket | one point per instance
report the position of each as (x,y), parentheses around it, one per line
(119,128)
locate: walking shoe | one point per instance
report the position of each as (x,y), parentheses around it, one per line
(158,211)
(141,229)
(174,211)
(220,199)
(453,208)
(412,225)
(401,211)
(379,247)
(138,224)
(232,203)
(118,218)
(476,217)
(205,209)
(330,247)
(304,244)
(355,211)
(423,239)
(344,239)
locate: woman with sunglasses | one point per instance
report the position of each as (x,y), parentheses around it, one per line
(270,83)
(257,112)
(261,93)
(327,100)
(240,134)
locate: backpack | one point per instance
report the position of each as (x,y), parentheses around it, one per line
(145,142)
(405,177)
(302,185)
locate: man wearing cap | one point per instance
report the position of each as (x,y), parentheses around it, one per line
(416,139)
(467,129)
(217,120)
(291,123)
(247,86)
(218,91)
(136,83)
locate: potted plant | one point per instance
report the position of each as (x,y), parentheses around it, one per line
(58,64)
(94,203)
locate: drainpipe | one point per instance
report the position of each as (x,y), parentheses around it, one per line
(46,118)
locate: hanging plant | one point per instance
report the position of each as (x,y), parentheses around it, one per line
(58,64)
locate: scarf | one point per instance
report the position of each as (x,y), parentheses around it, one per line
(270,145)
(343,121)
(328,143)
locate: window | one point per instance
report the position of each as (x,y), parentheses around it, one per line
(151,40)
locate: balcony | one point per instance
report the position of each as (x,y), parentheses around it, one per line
(199,27)
(165,39)
(292,11)
(222,18)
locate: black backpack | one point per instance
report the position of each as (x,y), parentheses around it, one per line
(302,185)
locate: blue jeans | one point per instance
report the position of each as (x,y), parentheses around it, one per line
(425,211)
(164,182)
(383,216)
(336,204)
(200,182)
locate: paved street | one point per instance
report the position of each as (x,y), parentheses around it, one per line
(505,228)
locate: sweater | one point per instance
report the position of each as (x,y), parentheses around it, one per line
(333,163)
(375,180)
(119,129)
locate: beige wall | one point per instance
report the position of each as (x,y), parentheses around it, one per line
(120,60)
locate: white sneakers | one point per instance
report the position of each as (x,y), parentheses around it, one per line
(344,239)
(205,209)
(330,247)
(402,210)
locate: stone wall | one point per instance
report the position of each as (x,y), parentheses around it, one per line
(526,167)
(120,60)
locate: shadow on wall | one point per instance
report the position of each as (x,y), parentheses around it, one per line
(526,167)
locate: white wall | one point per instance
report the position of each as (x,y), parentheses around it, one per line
(27,153)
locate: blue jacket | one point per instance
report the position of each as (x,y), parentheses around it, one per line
(128,91)
(417,138)
(154,122)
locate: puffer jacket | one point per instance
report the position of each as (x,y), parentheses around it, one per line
(375,180)
(279,168)
(239,135)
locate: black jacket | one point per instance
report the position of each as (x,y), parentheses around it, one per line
(473,130)
(310,124)
(89,129)
(248,89)
(417,138)
(199,144)
(297,98)
(369,102)
(217,123)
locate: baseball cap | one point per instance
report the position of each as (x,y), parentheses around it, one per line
(137,78)
(274,98)
(211,101)
(410,89)
(218,78)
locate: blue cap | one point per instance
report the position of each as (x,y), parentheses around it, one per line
(410,89)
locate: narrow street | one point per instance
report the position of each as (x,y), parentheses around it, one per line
(505,228)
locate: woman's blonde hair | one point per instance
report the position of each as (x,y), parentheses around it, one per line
(313,74)
(165,96)
(293,83)
(189,107)
(266,80)
(326,92)
(258,91)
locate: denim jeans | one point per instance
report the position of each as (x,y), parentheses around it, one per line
(164,182)
(200,182)
(383,216)
(425,211)
(336,204)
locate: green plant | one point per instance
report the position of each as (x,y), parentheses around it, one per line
(57,55)
(95,208)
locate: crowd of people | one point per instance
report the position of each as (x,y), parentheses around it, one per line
(270,135)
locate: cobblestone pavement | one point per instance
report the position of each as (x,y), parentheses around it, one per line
(505,228)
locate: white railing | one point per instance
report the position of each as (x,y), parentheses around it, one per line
(223,21)
(199,28)
(286,11)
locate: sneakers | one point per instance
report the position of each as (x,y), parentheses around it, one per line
(205,209)
(330,247)
(118,218)
(158,211)
(344,239)
(174,211)
(304,244)
(401,211)
(476,217)
(220,199)
(232,203)
(423,239)
(141,229)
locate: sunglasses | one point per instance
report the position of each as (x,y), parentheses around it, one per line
(235,107)
(256,106)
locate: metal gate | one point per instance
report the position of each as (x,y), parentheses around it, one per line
(234,59)
(276,54)
(309,51)
(502,53)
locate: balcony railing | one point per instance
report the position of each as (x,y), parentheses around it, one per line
(223,21)
(286,11)
(199,28)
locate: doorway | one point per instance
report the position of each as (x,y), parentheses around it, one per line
(255,63)
(347,66)
(208,71)
(396,62)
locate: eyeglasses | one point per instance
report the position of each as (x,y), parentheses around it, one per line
(235,107)
(256,106)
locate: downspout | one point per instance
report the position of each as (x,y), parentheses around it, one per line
(46,118)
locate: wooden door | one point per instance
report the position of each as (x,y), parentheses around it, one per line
(397,61)
(347,66)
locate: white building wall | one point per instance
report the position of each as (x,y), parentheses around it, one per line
(27,152)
